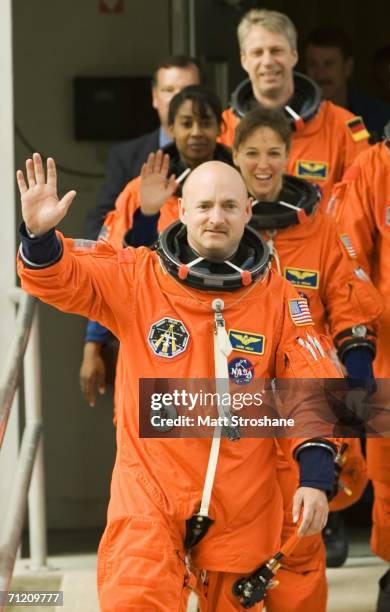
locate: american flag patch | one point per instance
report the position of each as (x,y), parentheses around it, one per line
(300,312)
(348,246)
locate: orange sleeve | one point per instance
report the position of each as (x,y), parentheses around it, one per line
(95,282)
(120,220)
(229,124)
(354,212)
(302,356)
(347,292)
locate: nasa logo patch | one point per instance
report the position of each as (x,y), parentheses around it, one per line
(168,337)
(241,371)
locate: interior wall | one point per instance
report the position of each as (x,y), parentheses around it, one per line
(54,41)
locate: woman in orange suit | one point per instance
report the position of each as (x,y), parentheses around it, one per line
(308,250)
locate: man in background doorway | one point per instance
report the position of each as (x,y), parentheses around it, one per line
(329,61)
(126,159)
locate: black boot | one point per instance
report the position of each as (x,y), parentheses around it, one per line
(336,541)
(383,603)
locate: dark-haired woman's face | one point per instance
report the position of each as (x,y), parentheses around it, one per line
(262,160)
(195,137)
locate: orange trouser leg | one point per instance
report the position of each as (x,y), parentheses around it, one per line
(378,463)
(298,592)
(139,569)
(302,581)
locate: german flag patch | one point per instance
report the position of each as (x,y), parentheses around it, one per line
(357,129)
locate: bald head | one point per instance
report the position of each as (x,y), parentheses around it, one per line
(215,208)
(215,173)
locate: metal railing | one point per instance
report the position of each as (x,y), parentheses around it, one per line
(28,482)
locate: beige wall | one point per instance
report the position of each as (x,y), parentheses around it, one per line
(55,40)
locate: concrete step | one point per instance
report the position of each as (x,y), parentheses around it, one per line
(352,588)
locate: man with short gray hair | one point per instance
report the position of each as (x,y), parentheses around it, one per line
(326,138)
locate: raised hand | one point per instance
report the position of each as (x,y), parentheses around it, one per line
(156,187)
(41,207)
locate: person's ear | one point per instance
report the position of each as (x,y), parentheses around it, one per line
(182,211)
(243,59)
(154,102)
(295,57)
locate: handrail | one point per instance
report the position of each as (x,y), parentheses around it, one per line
(13,363)
(29,473)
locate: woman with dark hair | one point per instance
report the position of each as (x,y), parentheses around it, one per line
(149,203)
(307,249)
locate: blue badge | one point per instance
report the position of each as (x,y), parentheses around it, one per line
(312,170)
(300,277)
(247,342)
(241,371)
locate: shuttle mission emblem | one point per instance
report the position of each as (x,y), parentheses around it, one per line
(168,337)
